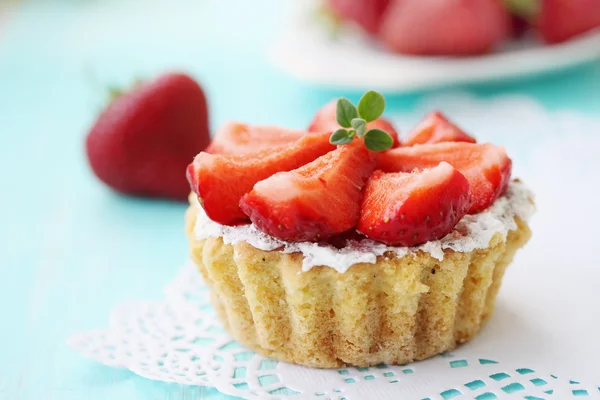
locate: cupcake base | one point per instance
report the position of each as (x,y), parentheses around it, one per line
(395,311)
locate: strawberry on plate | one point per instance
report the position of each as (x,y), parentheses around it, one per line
(561,20)
(444,27)
(436,128)
(220,181)
(406,209)
(313,202)
(144,139)
(239,138)
(486,167)
(366,13)
(325,120)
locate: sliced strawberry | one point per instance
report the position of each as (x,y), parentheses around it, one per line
(325,121)
(406,209)
(313,202)
(444,27)
(561,20)
(436,128)
(366,13)
(486,167)
(220,181)
(238,138)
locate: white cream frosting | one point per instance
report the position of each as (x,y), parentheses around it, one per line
(472,232)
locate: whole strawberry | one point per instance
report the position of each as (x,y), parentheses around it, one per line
(561,20)
(143,141)
(444,27)
(557,21)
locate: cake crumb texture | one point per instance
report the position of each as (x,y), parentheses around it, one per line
(395,311)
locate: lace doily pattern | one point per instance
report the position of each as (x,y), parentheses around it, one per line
(175,340)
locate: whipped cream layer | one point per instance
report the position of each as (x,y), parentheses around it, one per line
(472,232)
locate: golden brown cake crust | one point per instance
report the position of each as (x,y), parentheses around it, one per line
(395,311)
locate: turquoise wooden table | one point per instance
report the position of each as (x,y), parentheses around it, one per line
(72,250)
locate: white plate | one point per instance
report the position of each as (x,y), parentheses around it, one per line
(306,51)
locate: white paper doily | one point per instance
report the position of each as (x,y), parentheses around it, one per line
(547,316)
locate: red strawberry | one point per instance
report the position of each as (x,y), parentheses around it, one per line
(407,209)
(436,128)
(238,138)
(220,181)
(486,167)
(316,201)
(366,13)
(143,141)
(561,20)
(325,121)
(447,27)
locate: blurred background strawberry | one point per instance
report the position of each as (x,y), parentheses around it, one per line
(452,27)
(145,138)
(561,20)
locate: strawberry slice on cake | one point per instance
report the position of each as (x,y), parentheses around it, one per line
(406,209)
(486,167)
(239,138)
(220,181)
(436,128)
(313,202)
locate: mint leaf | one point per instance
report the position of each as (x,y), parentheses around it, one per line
(371,106)
(378,140)
(345,112)
(341,136)
(360,126)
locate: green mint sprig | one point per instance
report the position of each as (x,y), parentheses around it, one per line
(354,122)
